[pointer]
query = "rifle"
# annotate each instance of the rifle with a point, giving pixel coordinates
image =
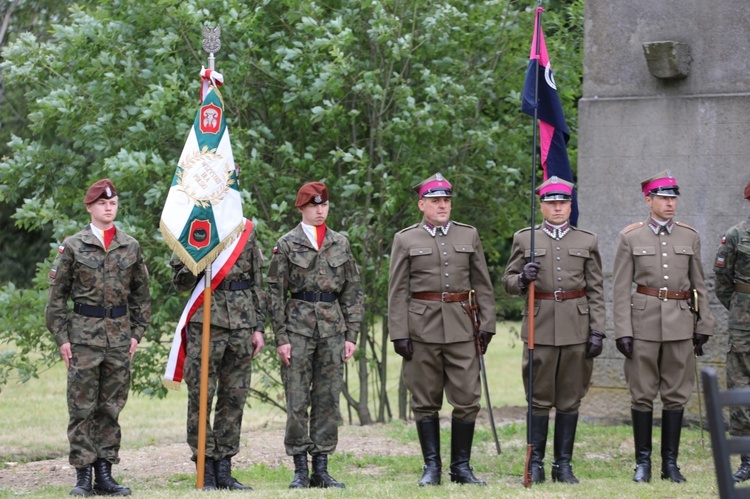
(473, 310)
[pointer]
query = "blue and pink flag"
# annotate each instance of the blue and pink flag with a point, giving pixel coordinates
(540, 95)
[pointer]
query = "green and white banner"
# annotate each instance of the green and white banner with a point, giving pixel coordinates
(203, 211)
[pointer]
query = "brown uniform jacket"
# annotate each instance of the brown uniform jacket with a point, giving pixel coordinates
(450, 263)
(665, 260)
(570, 264)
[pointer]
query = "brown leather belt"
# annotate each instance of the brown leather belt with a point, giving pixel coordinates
(664, 293)
(561, 295)
(443, 297)
(741, 287)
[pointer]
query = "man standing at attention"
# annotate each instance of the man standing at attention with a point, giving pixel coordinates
(238, 314)
(435, 266)
(317, 306)
(101, 270)
(654, 325)
(569, 320)
(732, 271)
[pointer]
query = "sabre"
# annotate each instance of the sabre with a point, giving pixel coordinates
(697, 378)
(475, 319)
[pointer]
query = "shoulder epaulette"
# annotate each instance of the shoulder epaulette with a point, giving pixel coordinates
(686, 226)
(583, 230)
(523, 230)
(632, 227)
(408, 228)
(462, 225)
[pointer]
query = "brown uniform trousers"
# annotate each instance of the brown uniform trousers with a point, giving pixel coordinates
(562, 373)
(662, 330)
(442, 334)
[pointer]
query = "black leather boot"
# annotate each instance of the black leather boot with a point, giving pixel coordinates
(743, 472)
(301, 478)
(83, 482)
(320, 477)
(104, 484)
(671, 427)
(224, 478)
(539, 428)
(209, 474)
(429, 439)
(565, 436)
(462, 436)
(642, 424)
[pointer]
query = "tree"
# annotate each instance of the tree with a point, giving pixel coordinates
(369, 97)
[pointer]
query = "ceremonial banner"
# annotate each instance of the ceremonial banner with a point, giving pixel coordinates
(540, 93)
(203, 211)
(219, 268)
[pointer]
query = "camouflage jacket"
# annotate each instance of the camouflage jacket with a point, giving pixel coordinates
(296, 267)
(239, 309)
(732, 267)
(86, 273)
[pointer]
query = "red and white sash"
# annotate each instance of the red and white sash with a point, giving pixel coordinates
(173, 374)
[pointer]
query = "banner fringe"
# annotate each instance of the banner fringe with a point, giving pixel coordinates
(185, 257)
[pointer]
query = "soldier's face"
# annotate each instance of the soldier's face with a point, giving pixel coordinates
(663, 208)
(556, 212)
(437, 211)
(314, 214)
(103, 212)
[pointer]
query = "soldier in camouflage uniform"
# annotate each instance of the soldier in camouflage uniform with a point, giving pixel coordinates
(732, 271)
(101, 270)
(434, 266)
(317, 305)
(238, 313)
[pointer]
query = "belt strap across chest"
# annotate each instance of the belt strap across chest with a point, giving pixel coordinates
(314, 296)
(561, 295)
(101, 312)
(663, 293)
(443, 297)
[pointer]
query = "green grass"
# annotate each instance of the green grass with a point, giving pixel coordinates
(33, 418)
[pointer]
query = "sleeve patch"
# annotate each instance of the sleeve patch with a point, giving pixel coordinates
(723, 239)
(53, 272)
(719, 262)
(275, 249)
(61, 249)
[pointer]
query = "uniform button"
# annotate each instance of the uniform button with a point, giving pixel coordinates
(558, 248)
(578, 253)
(442, 244)
(445, 252)
(559, 279)
(661, 233)
(558, 268)
(558, 258)
(683, 251)
(447, 274)
(421, 251)
(644, 252)
(666, 277)
(663, 254)
(666, 266)
(447, 285)
(663, 243)
(446, 264)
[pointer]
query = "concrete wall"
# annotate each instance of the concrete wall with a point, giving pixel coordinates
(632, 125)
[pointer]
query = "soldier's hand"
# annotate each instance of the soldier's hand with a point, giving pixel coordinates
(625, 346)
(258, 342)
(594, 345)
(404, 348)
(285, 353)
(530, 271)
(698, 341)
(349, 349)
(484, 338)
(66, 354)
(133, 347)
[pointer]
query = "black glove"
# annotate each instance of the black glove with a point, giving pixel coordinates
(594, 346)
(404, 348)
(530, 270)
(698, 341)
(484, 338)
(625, 346)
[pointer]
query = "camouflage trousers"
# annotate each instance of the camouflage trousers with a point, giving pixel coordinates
(228, 379)
(313, 380)
(738, 376)
(98, 386)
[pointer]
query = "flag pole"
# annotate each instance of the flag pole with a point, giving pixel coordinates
(530, 342)
(211, 44)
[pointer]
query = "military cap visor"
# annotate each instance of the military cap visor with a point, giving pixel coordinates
(661, 184)
(434, 187)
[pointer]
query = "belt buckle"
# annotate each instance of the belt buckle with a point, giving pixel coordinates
(107, 312)
(557, 294)
(664, 296)
(443, 295)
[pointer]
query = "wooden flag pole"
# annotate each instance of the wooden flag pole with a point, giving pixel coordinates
(211, 44)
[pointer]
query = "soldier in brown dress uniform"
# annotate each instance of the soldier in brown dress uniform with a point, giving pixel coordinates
(434, 266)
(569, 319)
(654, 324)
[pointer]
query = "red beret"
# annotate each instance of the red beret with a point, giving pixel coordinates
(103, 188)
(312, 192)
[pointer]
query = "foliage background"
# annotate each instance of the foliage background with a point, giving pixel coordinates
(367, 96)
